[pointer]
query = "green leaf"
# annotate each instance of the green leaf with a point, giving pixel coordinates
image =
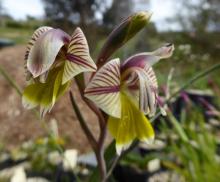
(178, 127)
(122, 34)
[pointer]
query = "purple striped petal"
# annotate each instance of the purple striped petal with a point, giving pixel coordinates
(78, 57)
(148, 58)
(140, 78)
(40, 31)
(164, 52)
(147, 91)
(104, 88)
(142, 85)
(44, 51)
(139, 60)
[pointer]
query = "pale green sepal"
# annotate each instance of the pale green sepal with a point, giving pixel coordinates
(45, 94)
(32, 95)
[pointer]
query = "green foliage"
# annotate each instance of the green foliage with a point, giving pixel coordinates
(137, 160)
(196, 160)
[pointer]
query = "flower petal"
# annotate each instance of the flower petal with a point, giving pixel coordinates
(140, 60)
(40, 31)
(44, 94)
(103, 89)
(78, 57)
(148, 58)
(44, 51)
(53, 90)
(133, 124)
(32, 95)
(142, 86)
(34, 38)
(147, 91)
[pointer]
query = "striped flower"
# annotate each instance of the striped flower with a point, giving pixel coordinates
(127, 92)
(52, 59)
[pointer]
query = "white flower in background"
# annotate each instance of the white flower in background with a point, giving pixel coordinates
(19, 175)
(70, 159)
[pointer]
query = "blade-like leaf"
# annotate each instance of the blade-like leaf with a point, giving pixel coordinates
(121, 34)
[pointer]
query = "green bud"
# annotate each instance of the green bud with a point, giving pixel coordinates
(123, 33)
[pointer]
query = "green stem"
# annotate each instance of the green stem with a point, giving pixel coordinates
(83, 124)
(177, 127)
(98, 147)
(118, 158)
(10, 80)
(100, 152)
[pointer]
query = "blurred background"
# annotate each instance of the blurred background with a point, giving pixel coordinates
(194, 28)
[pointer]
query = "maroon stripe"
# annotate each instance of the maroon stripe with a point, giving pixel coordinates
(102, 80)
(77, 42)
(109, 75)
(113, 72)
(72, 50)
(79, 52)
(77, 60)
(103, 90)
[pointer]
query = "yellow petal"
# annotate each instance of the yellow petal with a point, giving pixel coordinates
(45, 94)
(132, 124)
(32, 95)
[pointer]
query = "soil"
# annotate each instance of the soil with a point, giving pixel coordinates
(18, 124)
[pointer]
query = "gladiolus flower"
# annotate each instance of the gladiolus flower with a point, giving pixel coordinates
(127, 92)
(53, 58)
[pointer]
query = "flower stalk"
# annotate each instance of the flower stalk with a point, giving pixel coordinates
(98, 146)
(83, 124)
